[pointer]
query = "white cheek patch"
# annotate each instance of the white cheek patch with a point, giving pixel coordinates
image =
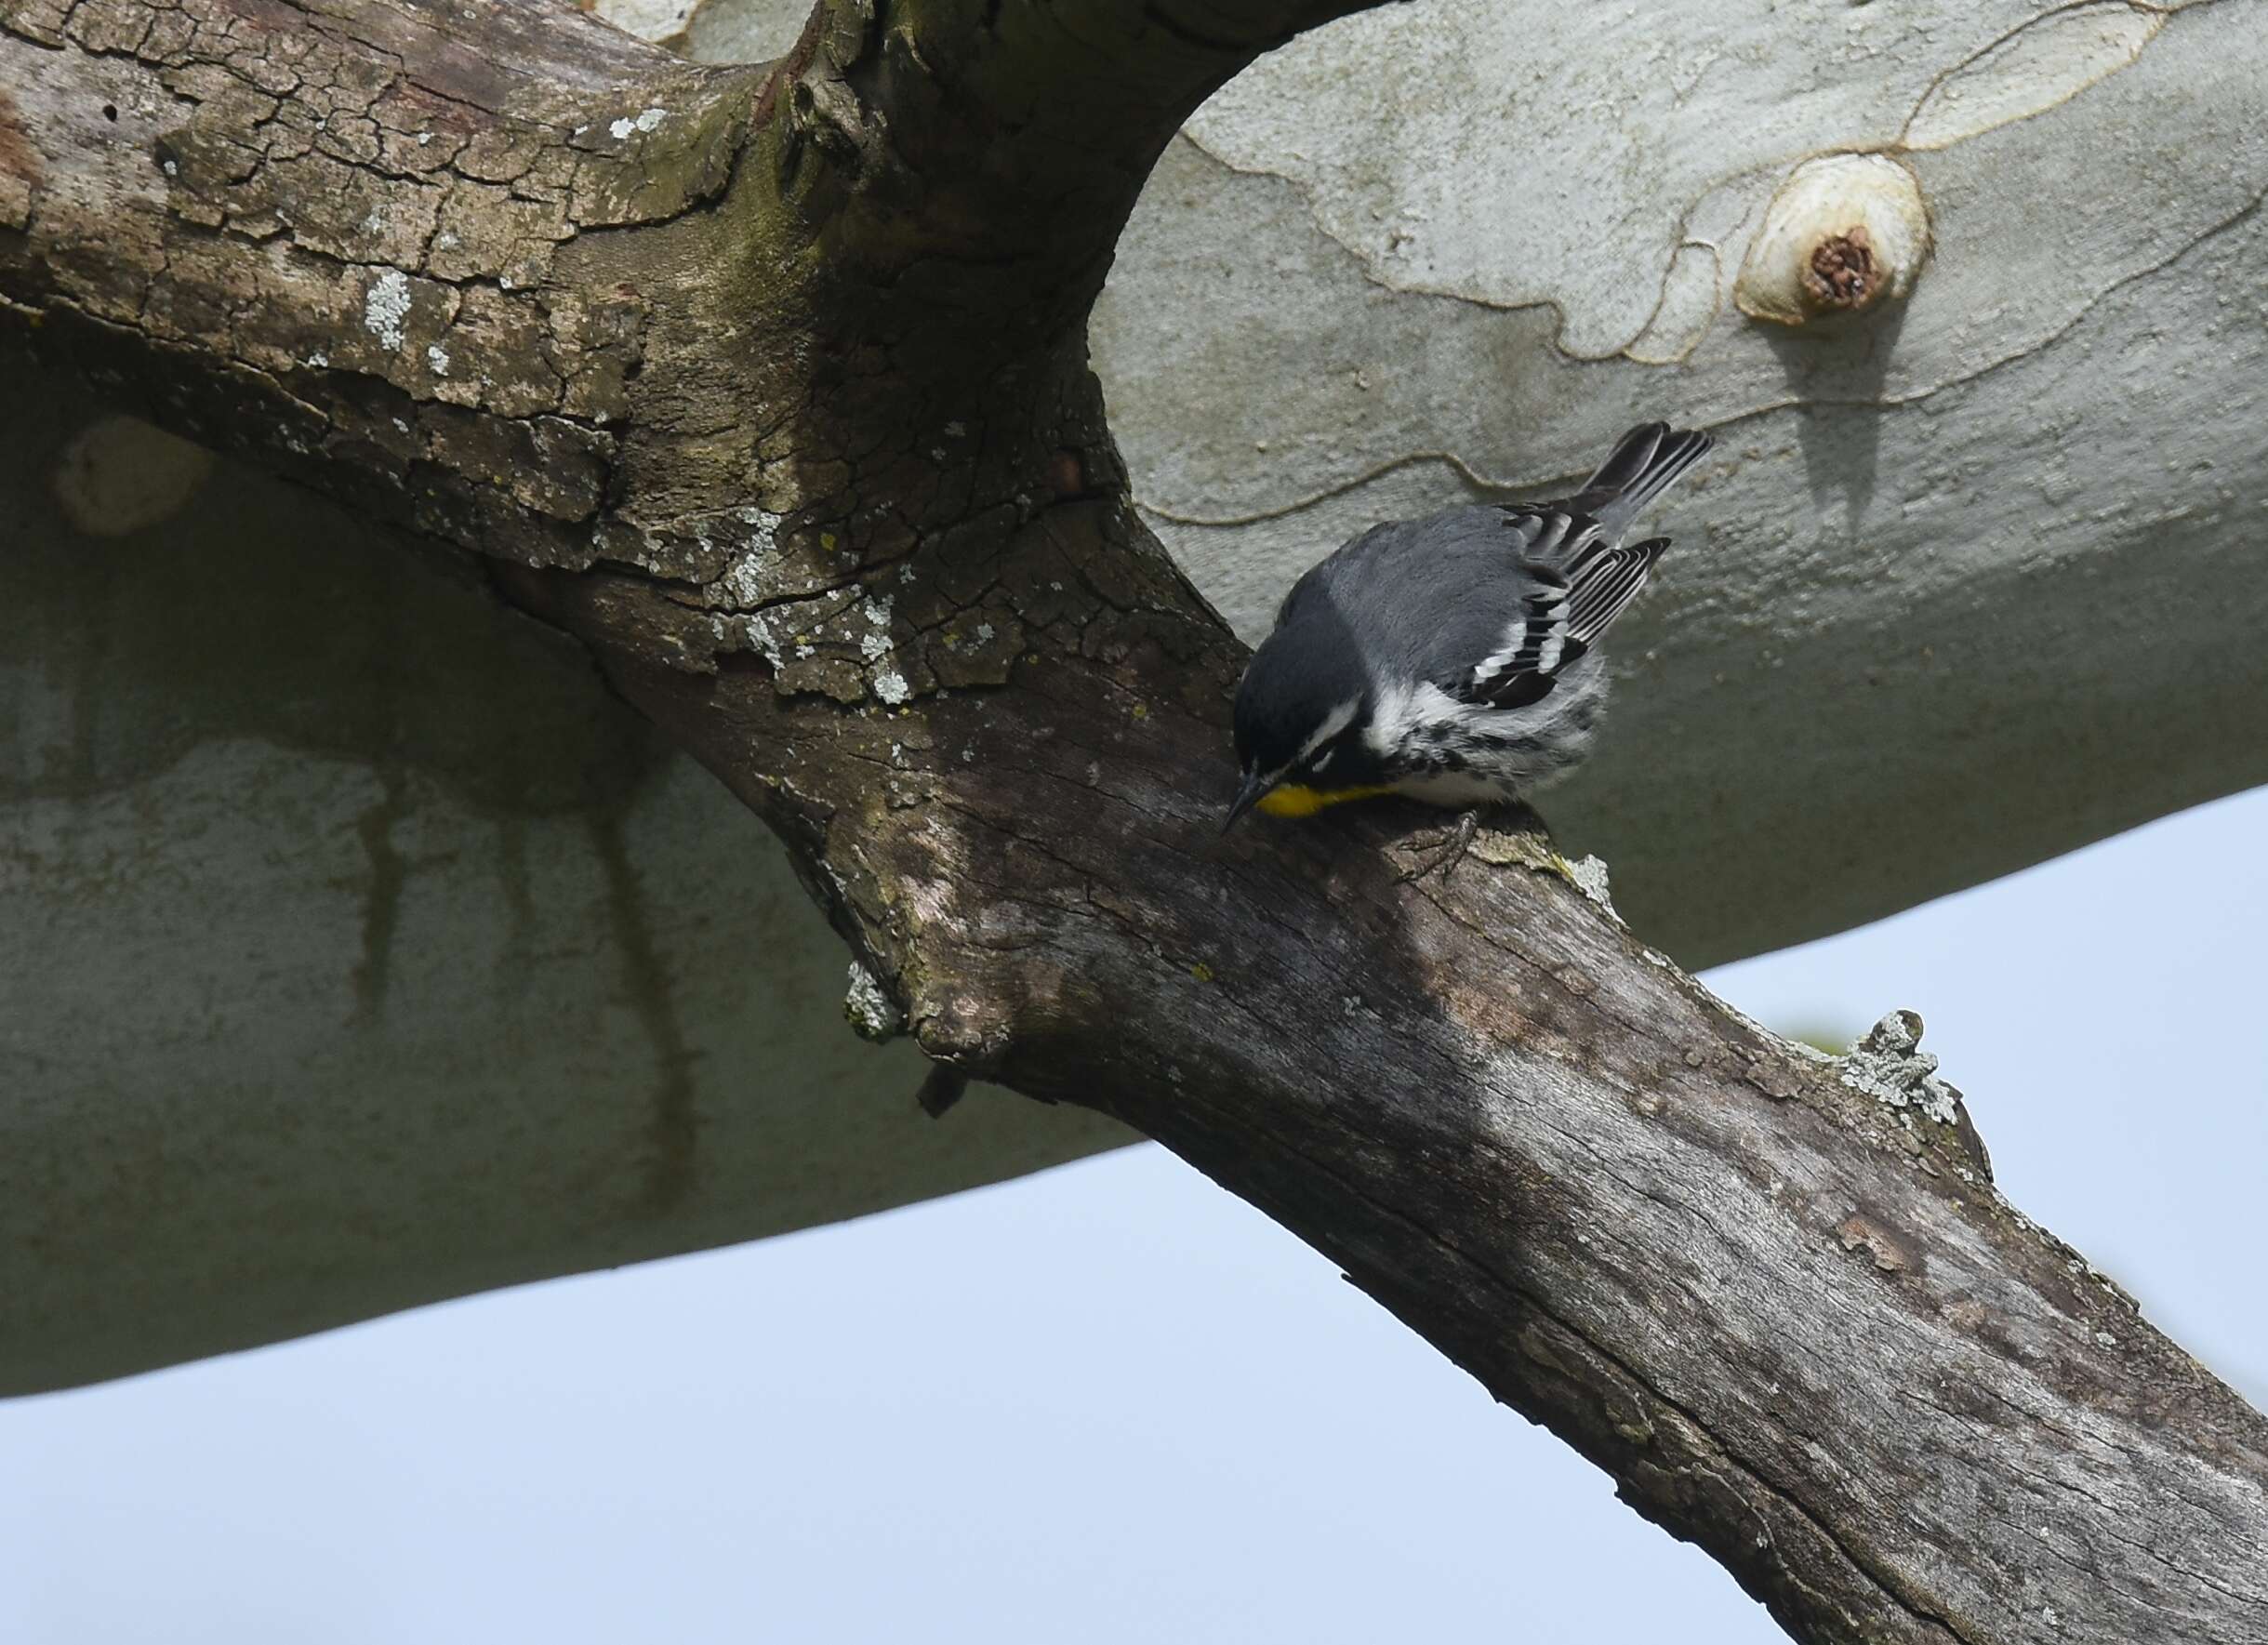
(1406, 711)
(1414, 720)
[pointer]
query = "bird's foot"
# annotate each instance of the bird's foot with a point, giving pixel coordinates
(1445, 860)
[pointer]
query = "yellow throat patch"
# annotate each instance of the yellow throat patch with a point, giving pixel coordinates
(1299, 800)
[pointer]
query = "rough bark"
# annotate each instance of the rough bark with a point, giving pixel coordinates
(464, 937)
(770, 385)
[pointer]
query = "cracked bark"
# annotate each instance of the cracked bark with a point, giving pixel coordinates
(770, 385)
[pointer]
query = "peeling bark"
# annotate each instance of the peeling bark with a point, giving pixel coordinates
(771, 386)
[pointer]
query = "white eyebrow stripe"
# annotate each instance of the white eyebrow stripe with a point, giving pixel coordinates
(1339, 720)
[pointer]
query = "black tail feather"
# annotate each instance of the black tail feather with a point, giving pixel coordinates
(1644, 463)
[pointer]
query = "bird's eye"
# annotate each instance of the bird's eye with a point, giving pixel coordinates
(1321, 760)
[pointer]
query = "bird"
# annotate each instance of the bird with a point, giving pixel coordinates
(1452, 658)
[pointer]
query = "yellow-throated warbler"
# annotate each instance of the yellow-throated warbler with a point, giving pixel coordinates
(1452, 658)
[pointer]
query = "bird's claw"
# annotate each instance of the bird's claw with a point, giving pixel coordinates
(1446, 859)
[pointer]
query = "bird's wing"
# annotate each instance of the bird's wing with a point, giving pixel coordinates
(1492, 603)
(1605, 584)
(1576, 574)
(1571, 587)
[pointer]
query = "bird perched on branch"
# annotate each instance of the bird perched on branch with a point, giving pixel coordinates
(1452, 658)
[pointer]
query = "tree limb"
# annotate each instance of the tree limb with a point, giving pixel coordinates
(770, 385)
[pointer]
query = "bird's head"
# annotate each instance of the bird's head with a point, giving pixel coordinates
(1301, 712)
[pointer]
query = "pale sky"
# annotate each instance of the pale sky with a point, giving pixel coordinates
(1108, 1403)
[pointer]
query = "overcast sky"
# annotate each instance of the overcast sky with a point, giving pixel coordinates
(1108, 1403)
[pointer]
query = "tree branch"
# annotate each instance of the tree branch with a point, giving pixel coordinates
(1789, 1313)
(771, 386)
(372, 245)
(980, 159)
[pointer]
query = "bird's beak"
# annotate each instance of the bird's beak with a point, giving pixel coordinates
(1257, 784)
